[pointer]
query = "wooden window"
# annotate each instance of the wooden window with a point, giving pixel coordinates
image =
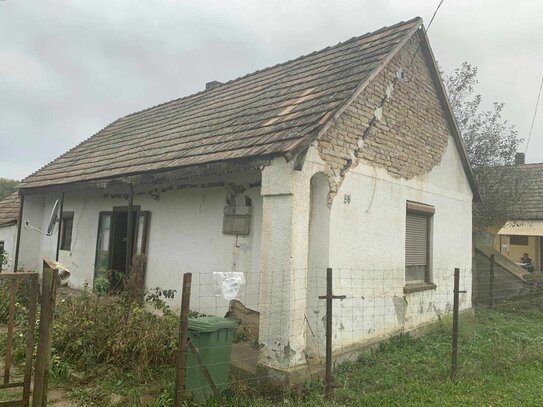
(418, 243)
(518, 240)
(66, 229)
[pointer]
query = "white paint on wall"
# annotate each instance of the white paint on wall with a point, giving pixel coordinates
(8, 235)
(185, 235)
(366, 240)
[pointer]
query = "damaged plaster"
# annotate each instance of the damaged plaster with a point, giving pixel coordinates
(396, 123)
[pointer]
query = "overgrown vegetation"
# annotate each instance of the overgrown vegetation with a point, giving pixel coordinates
(121, 355)
(90, 331)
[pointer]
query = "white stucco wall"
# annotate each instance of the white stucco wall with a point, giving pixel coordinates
(8, 235)
(185, 235)
(367, 249)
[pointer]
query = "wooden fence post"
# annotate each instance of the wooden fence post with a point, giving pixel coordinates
(43, 356)
(183, 339)
(30, 339)
(11, 323)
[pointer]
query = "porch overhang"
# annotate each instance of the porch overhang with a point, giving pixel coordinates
(523, 228)
(180, 175)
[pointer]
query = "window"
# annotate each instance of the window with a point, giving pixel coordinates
(518, 240)
(418, 243)
(66, 228)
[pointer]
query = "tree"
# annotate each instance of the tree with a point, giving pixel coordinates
(7, 187)
(491, 144)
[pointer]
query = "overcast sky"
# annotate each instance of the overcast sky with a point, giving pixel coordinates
(69, 68)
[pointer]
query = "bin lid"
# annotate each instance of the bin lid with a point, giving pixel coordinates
(210, 324)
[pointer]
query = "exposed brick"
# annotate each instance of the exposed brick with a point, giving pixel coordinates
(411, 137)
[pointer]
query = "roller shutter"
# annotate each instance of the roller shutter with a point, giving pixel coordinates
(416, 240)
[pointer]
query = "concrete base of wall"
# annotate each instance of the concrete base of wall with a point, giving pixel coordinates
(314, 368)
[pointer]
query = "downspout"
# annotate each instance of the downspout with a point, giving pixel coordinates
(19, 227)
(60, 224)
(129, 228)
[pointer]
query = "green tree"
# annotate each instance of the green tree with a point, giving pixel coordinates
(7, 187)
(491, 143)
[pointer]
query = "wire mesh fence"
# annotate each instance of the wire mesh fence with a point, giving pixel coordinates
(282, 336)
(286, 323)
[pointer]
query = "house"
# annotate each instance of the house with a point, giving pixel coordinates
(348, 158)
(9, 214)
(524, 234)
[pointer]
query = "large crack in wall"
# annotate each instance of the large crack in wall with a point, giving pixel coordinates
(397, 123)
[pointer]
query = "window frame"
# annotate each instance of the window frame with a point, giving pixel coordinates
(421, 209)
(519, 240)
(66, 244)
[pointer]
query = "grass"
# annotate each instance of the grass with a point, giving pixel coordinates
(500, 364)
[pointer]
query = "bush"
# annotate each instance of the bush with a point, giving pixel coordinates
(90, 331)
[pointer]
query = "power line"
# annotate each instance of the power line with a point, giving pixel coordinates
(434, 15)
(535, 114)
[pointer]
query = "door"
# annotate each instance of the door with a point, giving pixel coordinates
(111, 243)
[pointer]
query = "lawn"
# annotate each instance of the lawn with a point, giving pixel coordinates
(500, 364)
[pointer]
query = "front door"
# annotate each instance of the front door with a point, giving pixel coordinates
(112, 240)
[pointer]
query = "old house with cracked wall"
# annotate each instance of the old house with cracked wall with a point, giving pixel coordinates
(348, 157)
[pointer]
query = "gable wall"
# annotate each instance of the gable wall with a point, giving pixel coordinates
(394, 124)
(410, 154)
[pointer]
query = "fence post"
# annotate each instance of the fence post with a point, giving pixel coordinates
(329, 297)
(31, 320)
(11, 323)
(183, 339)
(492, 281)
(43, 356)
(456, 292)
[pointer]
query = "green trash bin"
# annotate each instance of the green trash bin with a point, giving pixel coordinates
(213, 337)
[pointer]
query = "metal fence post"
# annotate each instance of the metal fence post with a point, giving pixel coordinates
(183, 339)
(492, 281)
(329, 297)
(454, 355)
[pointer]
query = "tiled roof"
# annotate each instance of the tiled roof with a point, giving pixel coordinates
(267, 113)
(529, 204)
(9, 209)
(525, 182)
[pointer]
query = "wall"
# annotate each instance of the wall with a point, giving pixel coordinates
(367, 250)
(8, 235)
(185, 236)
(407, 153)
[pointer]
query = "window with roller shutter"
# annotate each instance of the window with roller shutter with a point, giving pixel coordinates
(417, 243)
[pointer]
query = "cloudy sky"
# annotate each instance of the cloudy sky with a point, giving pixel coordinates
(68, 68)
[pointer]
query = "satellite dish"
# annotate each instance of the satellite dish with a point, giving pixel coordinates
(52, 219)
(51, 224)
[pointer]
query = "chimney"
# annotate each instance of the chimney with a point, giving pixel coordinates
(213, 85)
(520, 158)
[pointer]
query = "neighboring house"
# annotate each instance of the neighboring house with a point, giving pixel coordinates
(348, 158)
(9, 213)
(525, 233)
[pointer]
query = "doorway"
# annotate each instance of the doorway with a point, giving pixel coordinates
(112, 244)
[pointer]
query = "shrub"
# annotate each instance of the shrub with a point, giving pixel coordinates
(90, 330)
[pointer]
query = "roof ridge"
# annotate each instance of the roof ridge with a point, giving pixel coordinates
(385, 40)
(301, 57)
